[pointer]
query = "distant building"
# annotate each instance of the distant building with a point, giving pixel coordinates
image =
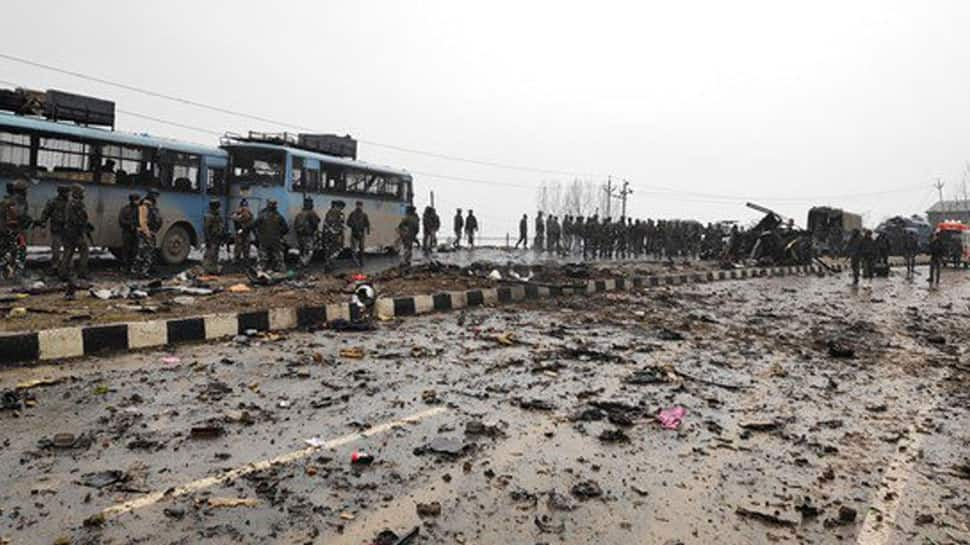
(958, 210)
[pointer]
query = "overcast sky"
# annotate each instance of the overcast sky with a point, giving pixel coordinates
(701, 105)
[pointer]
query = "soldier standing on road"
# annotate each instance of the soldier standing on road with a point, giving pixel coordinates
(149, 222)
(270, 229)
(854, 249)
(868, 254)
(242, 220)
(18, 220)
(359, 225)
(537, 245)
(554, 236)
(910, 248)
(307, 226)
(471, 227)
(430, 223)
(55, 211)
(458, 224)
(407, 231)
(937, 256)
(523, 233)
(77, 228)
(333, 229)
(128, 222)
(215, 234)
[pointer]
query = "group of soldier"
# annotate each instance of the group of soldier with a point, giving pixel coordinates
(604, 238)
(66, 217)
(313, 234)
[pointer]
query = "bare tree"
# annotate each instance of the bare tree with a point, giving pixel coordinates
(577, 198)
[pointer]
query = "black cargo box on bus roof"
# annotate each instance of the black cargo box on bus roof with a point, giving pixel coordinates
(330, 144)
(61, 106)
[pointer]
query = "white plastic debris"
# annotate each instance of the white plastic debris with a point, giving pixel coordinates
(494, 275)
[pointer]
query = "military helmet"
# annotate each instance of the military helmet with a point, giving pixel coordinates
(339, 204)
(63, 189)
(77, 189)
(134, 197)
(271, 203)
(243, 202)
(308, 204)
(20, 185)
(411, 210)
(214, 203)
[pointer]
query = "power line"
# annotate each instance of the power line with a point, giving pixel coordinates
(656, 190)
(262, 119)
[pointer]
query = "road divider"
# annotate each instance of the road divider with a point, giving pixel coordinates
(48, 345)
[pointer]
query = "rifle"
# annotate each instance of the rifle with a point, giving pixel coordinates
(88, 229)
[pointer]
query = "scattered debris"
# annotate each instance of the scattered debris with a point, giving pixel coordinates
(217, 502)
(432, 509)
(587, 490)
(671, 418)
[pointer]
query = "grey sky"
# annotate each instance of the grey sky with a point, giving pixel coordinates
(777, 101)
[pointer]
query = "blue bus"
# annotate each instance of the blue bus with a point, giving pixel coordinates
(274, 166)
(110, 165)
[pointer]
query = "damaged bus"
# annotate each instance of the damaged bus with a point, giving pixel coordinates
(288, 168)
(48, 139)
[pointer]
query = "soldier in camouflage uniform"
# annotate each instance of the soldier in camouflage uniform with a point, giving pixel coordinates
(333, 229)
(215, 234)
(55, 212)
(77, 229)
(270, 228)
(242, 220)
(149, 222)
(307, 224)
(16, 220)
(407, 230)
(359, 225)
(128, 222)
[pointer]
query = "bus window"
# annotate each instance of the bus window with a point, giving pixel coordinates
(65, 160)
(392, 187)
(14, 153)
(216, 184)
(125, 165)
(296, 174)
(257, 166)
(356, 181)
(313, 184)
(334, 176)
(179, 171)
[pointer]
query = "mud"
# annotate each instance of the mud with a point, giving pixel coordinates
(534, 423)
(453, 271)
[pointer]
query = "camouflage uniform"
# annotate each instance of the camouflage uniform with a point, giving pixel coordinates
(77, 228)
(242, 220)
(16, 220)
(215, 233)
(128, 222)
(55, 211)
(149, 222)
(359, 225)
(307, 224)
(408, 232)
(333, 229)
(270, 229)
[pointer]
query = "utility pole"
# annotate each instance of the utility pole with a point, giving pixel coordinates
(432, 198)
(939, 188)
(623, 193)
(609, 194)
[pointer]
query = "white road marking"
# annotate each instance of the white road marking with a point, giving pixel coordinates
(894, 482)
(241, 471)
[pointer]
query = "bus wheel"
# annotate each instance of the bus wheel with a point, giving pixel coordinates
(176, 245)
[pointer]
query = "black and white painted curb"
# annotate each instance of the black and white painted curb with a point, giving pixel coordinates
(72, 342)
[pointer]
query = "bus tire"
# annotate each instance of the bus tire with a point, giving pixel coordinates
(176, 245)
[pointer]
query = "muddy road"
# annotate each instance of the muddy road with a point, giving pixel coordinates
(794, 410)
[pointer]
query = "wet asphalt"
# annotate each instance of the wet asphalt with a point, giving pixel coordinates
(530, 423)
